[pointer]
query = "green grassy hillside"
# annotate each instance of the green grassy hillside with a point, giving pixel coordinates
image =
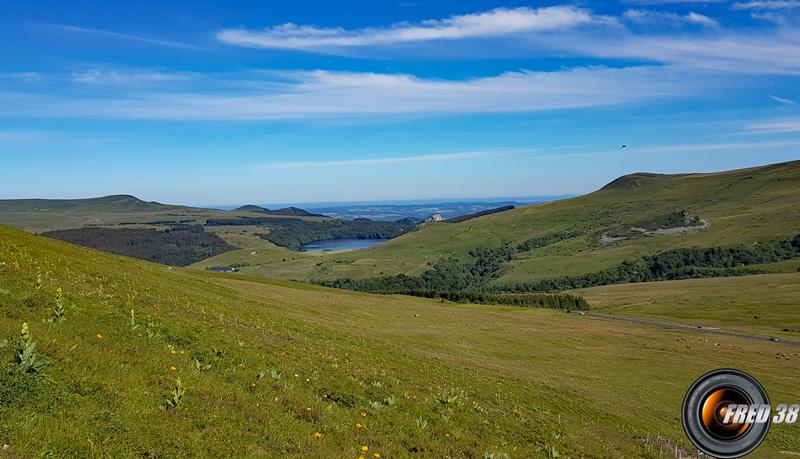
(275, 369)
(764, 304)
(740, 207)
(112, 204)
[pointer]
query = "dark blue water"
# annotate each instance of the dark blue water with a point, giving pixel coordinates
(341, 244)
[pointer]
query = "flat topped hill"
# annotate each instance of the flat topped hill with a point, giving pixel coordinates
(735, 207)
(113, 204)
(289, 211)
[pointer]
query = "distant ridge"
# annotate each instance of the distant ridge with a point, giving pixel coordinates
(250, 208)
(296, 211)
(639, 179)
(479, 214)
(292, 211)
(113, 203)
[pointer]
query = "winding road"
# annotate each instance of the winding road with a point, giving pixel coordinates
(686, 327)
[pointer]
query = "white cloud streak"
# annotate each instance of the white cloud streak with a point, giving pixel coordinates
(499, 22)
(640, 16)
(782, 100)
(776, 53)
(124, 78)
(767, 5)
(537, 153)
(119, 35)
(560, 31)
(460, 156)
(776, 126)
(697, 18)
(670, 2)
(334, 94)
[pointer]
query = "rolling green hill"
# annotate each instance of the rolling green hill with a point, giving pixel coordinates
(110, 204)
(722, 209)
(275, 369)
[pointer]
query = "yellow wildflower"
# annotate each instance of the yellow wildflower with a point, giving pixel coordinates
(308, 409)
(365, 448)
(363, 414)
(358, 425)
(99, 336)
(376, 455)
(172, 369)
(59, 292)
(317, 434)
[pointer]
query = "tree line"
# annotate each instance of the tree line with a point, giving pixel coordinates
(179, 245)
(672, 265)
(458, 280)
(455, 277)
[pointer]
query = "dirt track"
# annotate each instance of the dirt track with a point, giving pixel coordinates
(686, 327)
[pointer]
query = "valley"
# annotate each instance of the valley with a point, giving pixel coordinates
(451, 379)
(279, 367)
(400, 229)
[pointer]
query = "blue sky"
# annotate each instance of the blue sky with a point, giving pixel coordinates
(202, 102)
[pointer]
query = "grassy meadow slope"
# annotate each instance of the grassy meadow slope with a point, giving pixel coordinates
(767, 304)
(742, 206)
(404, 377)
(111, 204)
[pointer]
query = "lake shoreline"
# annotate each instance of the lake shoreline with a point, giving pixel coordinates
(340, 245)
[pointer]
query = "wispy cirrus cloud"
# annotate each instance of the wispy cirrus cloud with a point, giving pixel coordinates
(26, 77)
(21, 136)
(642, 34)
(775, 126)
(670, 2)
(328, 94)
(498, 22)
(45, 136)
(119, 35)
(767, 5)
(642, 16)
(781, 100)
(458, 156)
(538, 153)
(776, 53)
(117, 77)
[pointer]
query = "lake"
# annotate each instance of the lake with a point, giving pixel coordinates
(329, 245)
